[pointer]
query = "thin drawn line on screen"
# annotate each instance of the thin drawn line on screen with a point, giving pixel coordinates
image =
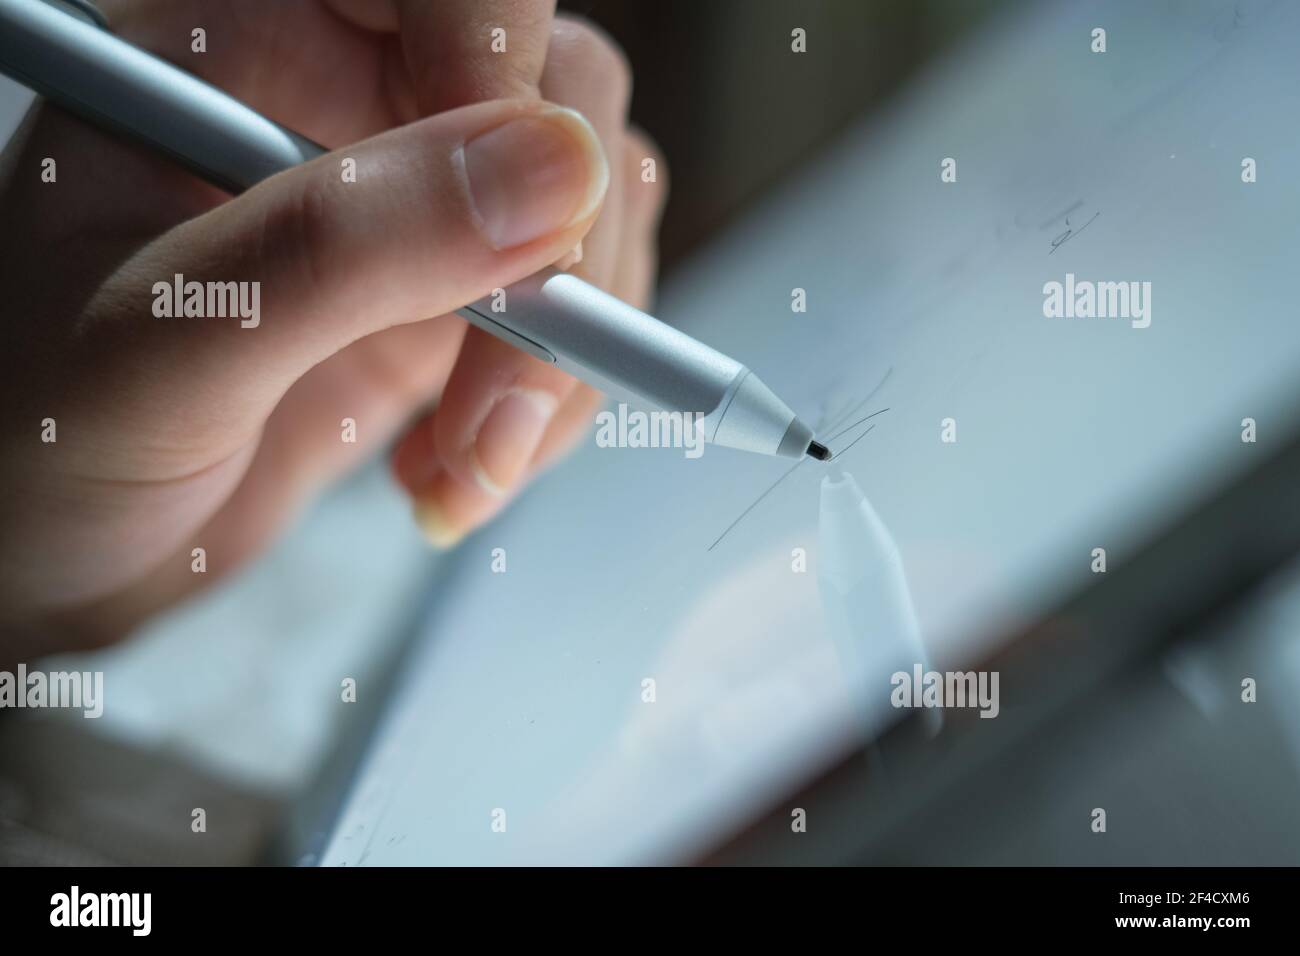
(792, 469)
(858, 406)
(855, 441)
(845, 431)
(1070, 232)
(797, 465)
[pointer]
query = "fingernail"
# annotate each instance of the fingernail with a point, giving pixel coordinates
(535, 175)
(508, 437)
(434, 525)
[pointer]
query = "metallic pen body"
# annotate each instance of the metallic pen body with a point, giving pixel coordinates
(602, 340)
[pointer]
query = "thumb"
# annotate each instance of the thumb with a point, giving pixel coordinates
(437, 214)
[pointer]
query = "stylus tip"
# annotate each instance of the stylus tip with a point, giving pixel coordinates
(819, 451)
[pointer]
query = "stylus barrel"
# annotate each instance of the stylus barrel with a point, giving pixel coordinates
(602, 340)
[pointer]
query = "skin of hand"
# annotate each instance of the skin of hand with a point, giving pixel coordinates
(177, 433)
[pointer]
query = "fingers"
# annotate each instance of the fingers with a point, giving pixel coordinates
(377, 15)
(499, 403)
(587, 71)
(343, 86)
(341, 54)
(645, 190)
(441, 212)
(645, 179)
(467, 51)
(447, 507)
(567, 428)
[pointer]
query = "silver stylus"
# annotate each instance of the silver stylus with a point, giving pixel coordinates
(60, 49)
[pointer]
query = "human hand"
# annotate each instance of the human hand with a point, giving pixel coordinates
(184, 432)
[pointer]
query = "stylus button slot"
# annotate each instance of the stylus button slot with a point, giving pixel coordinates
(508, 335)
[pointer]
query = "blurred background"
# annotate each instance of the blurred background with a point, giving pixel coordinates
(716, 86)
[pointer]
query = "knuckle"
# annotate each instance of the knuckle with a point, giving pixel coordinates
(304, 225)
